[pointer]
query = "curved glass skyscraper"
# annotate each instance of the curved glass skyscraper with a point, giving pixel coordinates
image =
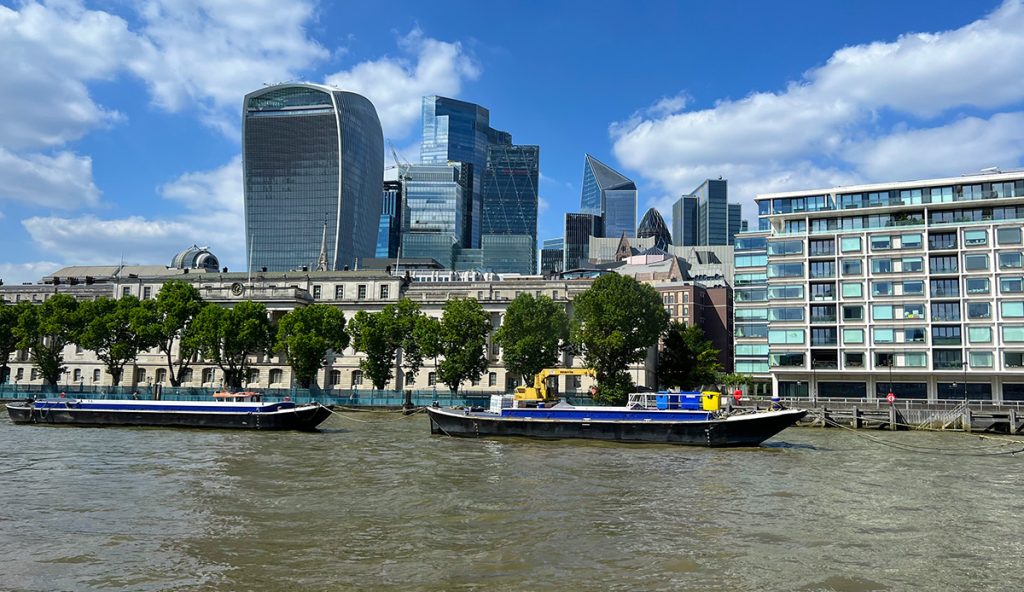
(609, 194)
(313, 155)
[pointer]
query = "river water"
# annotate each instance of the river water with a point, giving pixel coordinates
(374, 502)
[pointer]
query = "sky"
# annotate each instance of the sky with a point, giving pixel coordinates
(120, 139)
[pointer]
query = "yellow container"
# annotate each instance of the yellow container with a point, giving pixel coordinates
(711, 401)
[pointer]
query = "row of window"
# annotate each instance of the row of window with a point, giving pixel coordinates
(941, 360)
(361, 291)
(937, 264)
(902, 390)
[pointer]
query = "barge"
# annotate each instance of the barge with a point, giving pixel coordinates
(228, 410)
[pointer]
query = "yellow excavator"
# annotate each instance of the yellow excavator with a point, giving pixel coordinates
(538, 393)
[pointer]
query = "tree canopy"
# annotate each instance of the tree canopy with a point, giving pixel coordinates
(306, 334)
(374, 334)
(532, 335)
(614, 323)
(8, 338)
(45, 329)
(168, 319)
(462, 341)
(687, 359)
(108, 329)
(228, 336)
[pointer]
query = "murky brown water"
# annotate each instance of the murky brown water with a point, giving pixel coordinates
(380, 504)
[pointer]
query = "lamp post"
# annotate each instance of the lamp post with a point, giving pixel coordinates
(964, 364)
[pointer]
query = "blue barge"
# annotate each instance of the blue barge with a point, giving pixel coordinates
(692, 419)
(232, 410)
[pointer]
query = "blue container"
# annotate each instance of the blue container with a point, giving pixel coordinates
(668, 400)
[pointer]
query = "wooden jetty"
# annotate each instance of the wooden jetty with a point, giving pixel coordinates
(965, 416)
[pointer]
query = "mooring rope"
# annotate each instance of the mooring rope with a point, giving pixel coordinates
(407, 413)
(936, 450)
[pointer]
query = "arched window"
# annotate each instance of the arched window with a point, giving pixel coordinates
(357, 378)
(140, 375)
(188, 376)
(276, 376)
(254, 375)
(96, 375)
(208, 375)
(77, 376)
(161, 376)
(335, 377)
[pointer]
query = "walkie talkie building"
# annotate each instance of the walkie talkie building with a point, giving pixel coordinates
(313, 155)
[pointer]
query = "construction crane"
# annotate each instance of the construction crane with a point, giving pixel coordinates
(400, 163)
(539, 391)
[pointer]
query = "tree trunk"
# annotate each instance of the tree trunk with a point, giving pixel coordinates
(174, 376)
(115, 375)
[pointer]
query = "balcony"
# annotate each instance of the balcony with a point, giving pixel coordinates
(822, 319)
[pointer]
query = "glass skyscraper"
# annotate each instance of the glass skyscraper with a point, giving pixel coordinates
(705, 217)
(510, 198)
(390, 224)
(552, 256)
(312, 155)
(457, 131)
(578, 230)
(433, 210)
(610, 195)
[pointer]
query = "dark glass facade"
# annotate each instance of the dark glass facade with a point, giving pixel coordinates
(510, 197)
(578, 230)
(390, 225)
(312, 155)
(610, 195)
(652, 225)
(552, 256)
(705, 217)
(457, 131)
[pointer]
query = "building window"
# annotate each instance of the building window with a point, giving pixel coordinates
(1011, 260)
(431, 378)
(851, 267)
(980, 359)
(126, 291)
(913, 288)
(316, 292)
(357, 378)
(34, 374)
(854, 359)
(77, 375)
(276, 376)
(946, 335)
(254, 376)
(851, 336)
(984, 334)
(976, 262)
(339, 292)
(979, 310)
(850, 244)
(492, 379)
(361, 292)
(96, 375)
(140, 375)
(384, 290)
(187, 379)
(853, 313)
(161, 376)
(147, 293)
(208, 375)
(335, 377)
(946, 311)
(783, 336)
(1008, 236)
(947, 288)
(975, 237)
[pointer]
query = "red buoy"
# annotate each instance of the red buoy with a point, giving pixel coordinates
(891, 398)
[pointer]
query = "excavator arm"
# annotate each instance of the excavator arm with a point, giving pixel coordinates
(539, 391)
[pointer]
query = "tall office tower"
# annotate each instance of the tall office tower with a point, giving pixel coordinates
(652, 225)
(578, 230)
(432, 214)
(705, 217)
(457, 131)
(390, 225)
(610, 195)
(510, 199)
(913, 288)
(551, 256)
(312, 155)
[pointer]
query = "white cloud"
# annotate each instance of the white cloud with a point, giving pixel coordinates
(825, 129)
(209, 53)
(18, 273)
(396, 85)
(60, 181)
(50, 53)
(212, 217)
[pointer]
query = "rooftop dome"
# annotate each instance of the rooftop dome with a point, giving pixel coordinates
(196, 257)
(653, 225)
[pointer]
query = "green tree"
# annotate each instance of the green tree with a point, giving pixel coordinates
(427, 335)
(168, 320)
(45, 329)
(8, 338)
(462, 341)
(687, 359)
(306, 334)
(532, 335)
(614, 322)
(374, 334)
(228, 336)
(382, 335)
(108, 330)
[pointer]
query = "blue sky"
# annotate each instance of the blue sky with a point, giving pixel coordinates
(121, 139)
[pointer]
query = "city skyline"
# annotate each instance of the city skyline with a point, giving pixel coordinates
(141, 155)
